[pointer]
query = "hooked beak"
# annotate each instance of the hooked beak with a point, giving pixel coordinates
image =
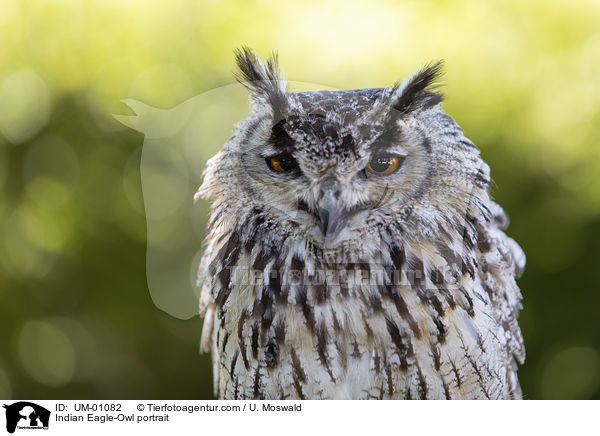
(331, 214)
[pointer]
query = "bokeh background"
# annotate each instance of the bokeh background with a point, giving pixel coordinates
(76, 318)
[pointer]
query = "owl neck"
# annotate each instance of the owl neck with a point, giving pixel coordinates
(271, 258)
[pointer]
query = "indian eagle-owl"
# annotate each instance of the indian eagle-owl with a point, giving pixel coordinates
(353, 251)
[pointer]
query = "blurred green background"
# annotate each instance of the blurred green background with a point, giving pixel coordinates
(76, 318)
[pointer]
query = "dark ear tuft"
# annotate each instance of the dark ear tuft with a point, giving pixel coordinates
(419, 91)
(262, 78)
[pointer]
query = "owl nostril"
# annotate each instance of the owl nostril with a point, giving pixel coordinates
(329, 187)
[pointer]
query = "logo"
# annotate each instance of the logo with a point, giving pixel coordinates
(26, 415)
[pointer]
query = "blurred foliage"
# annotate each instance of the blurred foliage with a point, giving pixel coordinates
(76, 318)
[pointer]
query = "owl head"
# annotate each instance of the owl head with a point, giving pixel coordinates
(337, 166)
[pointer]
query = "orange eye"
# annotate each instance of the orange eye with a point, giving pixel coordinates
(282, 163)
(384, 163)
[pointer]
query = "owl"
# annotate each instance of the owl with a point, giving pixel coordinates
(353, 250)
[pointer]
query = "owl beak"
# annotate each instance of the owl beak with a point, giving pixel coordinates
(332, 216)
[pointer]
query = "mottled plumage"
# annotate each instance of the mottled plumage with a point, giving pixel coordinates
(333, 279)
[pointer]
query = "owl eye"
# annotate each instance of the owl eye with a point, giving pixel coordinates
(384, 163)
(282, 163)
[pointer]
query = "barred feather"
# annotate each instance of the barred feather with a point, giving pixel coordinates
(417, 299)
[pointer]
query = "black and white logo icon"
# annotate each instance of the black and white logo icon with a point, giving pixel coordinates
(26, 415)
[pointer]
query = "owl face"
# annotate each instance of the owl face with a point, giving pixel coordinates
(325, 173)
(328, 166)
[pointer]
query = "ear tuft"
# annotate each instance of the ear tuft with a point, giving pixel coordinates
(263, 79)
(418, 92)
